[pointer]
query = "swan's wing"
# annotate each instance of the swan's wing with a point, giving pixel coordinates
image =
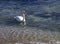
(19, 18)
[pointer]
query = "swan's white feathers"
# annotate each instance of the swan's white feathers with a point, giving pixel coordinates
(19, 18)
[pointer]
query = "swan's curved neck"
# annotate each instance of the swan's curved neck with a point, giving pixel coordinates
(24, 19)
(23, 16)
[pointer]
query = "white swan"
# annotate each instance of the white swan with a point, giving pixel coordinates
(21, 18)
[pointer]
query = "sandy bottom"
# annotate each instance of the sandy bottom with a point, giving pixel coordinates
(23, 35)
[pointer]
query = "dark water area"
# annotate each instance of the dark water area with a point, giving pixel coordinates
(40, 15)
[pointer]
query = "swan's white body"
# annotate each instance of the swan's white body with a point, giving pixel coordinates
(21, 18)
